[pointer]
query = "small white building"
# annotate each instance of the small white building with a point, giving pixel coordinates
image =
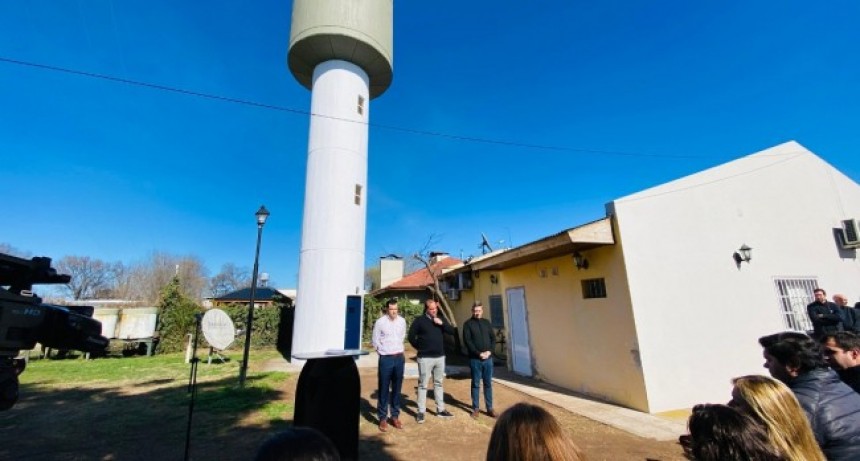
(698, 313)
(652, 307)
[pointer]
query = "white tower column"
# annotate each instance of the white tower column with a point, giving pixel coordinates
(335, 211)
(341, 50)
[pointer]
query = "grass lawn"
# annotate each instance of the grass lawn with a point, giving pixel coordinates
(137, 408)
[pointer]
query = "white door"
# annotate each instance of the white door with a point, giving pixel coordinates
(520, 353)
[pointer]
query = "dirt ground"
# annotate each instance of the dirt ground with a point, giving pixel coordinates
(107, 423)
(463, 438)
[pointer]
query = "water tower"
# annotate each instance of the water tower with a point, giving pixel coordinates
(341, 50)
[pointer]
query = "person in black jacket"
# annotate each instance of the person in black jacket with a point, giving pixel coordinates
(850, 321)
(842, 353)
(833, 408)
(480, 342)
(825, 316)
(426, 336)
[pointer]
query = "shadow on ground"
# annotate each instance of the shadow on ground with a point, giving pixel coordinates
(126, 424)
(148, 421)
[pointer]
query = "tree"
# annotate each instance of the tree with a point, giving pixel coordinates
(423, 256)
(146, 280)
(372, 278)
(175, 317)
(90, 277)
(231, 278)
(12, 251)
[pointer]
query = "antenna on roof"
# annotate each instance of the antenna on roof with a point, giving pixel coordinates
(485, 244)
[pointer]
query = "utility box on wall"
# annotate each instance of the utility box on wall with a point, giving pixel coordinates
(352, 330)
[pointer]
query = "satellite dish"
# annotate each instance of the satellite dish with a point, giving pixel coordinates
(485, 244)
(218, 329)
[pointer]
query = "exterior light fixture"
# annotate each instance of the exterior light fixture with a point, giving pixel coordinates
(744, 254)
(262, 214)
(579, 261)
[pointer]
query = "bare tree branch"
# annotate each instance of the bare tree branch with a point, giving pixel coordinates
(91, 278)
(435, 289)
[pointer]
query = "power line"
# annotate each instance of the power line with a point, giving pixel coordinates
(415, 131)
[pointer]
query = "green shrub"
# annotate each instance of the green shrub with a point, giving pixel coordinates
(373, 310)
(264, 330)
(175, 318)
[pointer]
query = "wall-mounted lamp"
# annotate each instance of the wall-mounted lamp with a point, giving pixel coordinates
(494, 279)
(744, 254)
(579, 261)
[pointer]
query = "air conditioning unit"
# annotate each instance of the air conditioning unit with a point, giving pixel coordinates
(453, 294)
(850, 234)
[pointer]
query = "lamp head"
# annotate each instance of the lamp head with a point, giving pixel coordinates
(745, 252)
(262, 214)
(579, 261)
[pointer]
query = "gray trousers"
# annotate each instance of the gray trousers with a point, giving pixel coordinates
(426, 366)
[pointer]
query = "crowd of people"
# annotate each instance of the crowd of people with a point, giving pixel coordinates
(808, 409)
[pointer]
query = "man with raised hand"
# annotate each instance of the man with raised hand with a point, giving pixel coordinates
(426, 334)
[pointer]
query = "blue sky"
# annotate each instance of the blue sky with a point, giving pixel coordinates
(114, 171)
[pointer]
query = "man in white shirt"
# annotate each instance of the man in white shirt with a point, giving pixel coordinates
(389, 331)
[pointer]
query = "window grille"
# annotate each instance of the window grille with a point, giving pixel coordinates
(794, 295)
(593, 288)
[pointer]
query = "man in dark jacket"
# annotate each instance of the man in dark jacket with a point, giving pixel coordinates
(426, 336)
(825, 316)
(480, 342)
(842, 353)
(833, 408)
(850, 321)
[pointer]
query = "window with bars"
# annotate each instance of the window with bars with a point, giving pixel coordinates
(794, 294)
(593, 288)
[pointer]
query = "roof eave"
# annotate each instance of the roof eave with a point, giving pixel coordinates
(585, 237)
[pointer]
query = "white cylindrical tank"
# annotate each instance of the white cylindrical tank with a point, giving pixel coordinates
(331, 264)
(342, 51)
(358, 31)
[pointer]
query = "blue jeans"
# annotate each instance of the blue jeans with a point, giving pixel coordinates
(482, 370)
(431, 366)
(390, 383)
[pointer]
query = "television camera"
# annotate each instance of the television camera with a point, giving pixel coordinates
(25, 320)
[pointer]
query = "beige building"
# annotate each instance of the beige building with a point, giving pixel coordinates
(655, 306)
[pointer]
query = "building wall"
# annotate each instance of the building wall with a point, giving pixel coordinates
(482, 289)
(698, 315)
(586, 345)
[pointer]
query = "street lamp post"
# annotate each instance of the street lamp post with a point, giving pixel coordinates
(261, 214)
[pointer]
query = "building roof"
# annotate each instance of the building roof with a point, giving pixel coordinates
(585, 237)
(262, 294)
(421, 278)
(734, 170)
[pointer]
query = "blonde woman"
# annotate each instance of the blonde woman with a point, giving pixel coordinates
(527, 432)
(776, 407)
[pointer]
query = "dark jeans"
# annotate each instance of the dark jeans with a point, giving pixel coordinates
(390, 383)
(482, 370)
